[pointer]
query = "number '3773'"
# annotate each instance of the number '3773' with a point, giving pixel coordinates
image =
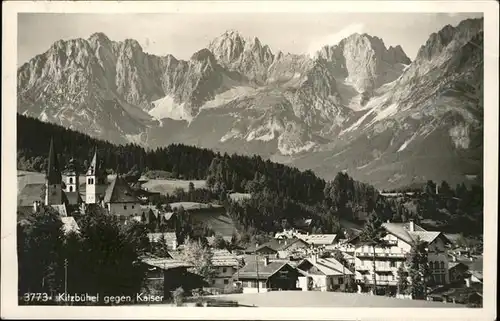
(31, 297)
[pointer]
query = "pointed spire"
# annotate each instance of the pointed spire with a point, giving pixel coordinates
(93, 165)
(53, 171)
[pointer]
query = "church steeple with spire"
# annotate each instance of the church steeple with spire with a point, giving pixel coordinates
(96, 181)
(53, 178)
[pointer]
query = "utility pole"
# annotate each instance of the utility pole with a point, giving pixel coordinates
(257, 263)
(65, 278)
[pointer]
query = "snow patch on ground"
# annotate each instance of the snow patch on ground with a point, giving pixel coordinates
(265, 133)
(136, 139)
(43, 116)
(166, 107)
(290, 150)
(232, 134)
(229, 95)
(406, 143)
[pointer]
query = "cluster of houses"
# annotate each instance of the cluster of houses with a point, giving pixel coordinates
(303, 262)
(293, 260)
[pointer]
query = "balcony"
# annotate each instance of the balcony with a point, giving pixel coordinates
(382, 254)
(380, 282)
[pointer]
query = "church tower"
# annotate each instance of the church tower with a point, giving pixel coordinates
(53, 179)
(72, 177)
(96, 181)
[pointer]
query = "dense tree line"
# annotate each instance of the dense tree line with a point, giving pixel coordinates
(280, 195)
(102, 258)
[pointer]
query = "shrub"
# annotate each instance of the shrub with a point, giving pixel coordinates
(178, 296)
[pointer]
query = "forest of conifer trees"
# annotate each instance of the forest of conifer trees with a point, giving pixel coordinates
(279, 194)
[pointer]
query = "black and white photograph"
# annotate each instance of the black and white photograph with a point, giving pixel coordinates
(175, 159)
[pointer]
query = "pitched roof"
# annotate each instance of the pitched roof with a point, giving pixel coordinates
(169, 215)
(95, 167)
(119, 192)
(224, 258)
(74, 198)
(265, 271)
(318, 239)
(29, 194)
(402, 231)
(211, 239)
(53, 175)
(452, 265)
(165, 263)
(70, 225)
(425, 236)
(281, 245)
(61, 209)
(329, 266)
(170, 237)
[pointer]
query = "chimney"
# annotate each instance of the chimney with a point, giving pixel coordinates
(467, 282)
(35, 207)
(266, 260)
(412, 226)
(388, 221)
(437, 189)
(453, 258)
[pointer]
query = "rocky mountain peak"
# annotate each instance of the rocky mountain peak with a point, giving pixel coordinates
(99, 37)
(397, 55)
(449, 35)
(364, 61)
(247, 56)
(204, 55)
(227, 47)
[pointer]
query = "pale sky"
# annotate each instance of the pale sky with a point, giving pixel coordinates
(182, 34)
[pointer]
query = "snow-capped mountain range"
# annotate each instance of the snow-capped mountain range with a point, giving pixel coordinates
(356, 106)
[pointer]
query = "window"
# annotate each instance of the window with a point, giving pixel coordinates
(132, 206)
(71, 180)
(226, 281)
(224, 270)
(431, 265)
(124, 207)
(341, 281)
(393, 264)
(442, 265)
(71, 188)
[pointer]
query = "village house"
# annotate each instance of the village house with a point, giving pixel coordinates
(211, 240)
(399, 239)
(170, 239)
(164, 275)
(226, 265)
(319, 240)
(262, 250)
(119, 199)
(458, 272)
(263, 275)
(323, 274)
(280, 248)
